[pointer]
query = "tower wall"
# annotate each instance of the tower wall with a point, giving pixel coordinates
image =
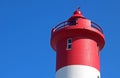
(77, 43)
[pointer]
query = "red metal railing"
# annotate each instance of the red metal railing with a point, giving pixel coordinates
(66, 24)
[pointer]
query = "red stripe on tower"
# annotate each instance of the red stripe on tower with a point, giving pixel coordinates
(77, 43)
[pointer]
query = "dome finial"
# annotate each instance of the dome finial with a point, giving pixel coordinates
(78, 11)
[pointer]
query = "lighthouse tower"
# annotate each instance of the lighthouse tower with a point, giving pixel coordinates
(77, 43)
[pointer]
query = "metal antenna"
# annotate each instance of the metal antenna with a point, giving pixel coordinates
(78, 8)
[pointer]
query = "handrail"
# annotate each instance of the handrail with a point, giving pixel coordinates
(66, 24)
(96, 26)
(61, 25)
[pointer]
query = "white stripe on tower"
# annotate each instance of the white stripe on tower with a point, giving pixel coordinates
(77, 71)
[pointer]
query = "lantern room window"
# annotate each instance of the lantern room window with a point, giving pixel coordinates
(69, 43)
(73, 22)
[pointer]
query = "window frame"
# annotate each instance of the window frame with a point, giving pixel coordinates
(69, 44)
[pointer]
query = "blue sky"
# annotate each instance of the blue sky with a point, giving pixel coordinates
(25, 30)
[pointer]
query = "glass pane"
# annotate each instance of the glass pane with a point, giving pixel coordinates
(70, 40)
(69, 46)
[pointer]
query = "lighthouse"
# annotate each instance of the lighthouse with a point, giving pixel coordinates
(77, 43)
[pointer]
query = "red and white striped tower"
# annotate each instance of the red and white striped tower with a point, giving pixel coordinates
(77, 43)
